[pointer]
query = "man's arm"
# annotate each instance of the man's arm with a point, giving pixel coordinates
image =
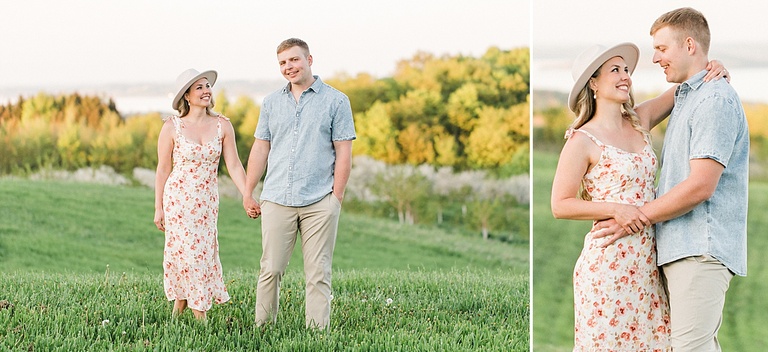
(342, 168)
(694, 190)
(257, 163)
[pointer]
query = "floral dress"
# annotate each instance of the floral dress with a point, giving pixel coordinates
(191, 265)
(619, 301)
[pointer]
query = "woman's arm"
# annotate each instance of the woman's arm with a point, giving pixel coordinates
(164, 166)
(578, 154)
(653, 111)
(229, 152)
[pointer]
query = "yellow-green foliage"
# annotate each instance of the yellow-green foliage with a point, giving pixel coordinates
(550, 123)
(457, 111)
(73, 131)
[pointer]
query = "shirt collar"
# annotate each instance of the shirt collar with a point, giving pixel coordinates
(696, 80)
(315, 87)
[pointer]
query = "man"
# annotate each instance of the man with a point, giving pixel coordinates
(304, 140)
(701, 209)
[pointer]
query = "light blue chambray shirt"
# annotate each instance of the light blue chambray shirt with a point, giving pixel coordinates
(301, 157)
(707, 121)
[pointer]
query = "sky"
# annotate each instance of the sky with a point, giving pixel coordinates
(79, 42)
(561, 30)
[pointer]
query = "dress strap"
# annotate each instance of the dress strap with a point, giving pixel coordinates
(218, 126)
(593, 138)
(176, 125)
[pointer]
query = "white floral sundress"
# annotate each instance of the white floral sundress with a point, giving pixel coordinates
(191, 266)
(619, 301)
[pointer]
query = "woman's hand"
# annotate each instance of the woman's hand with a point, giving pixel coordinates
(630, 218)
(252, 207)
(160, 219)
(716, 70)
(608, 228)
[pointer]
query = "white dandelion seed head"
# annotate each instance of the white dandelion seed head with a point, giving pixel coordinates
(389, 301)
(104, 322)
(331, 297)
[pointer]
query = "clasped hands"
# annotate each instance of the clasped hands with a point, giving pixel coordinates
(252, 207)
(627, 219)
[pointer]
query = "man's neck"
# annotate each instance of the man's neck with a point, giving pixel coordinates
(697, 66)
(298, 88)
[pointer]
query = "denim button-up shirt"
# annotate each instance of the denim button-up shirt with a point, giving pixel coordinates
(707, 121)
(301, 134)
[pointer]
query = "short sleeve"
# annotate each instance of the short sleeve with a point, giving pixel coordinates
(262, 127)
(715, 125)
(343, 128)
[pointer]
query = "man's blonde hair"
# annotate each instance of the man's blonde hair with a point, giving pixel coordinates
(290, 43)
(686, 22)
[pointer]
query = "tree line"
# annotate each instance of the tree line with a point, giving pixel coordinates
(459, 116)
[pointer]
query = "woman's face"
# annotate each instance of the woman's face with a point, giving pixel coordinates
(199, 93)
(613, 82)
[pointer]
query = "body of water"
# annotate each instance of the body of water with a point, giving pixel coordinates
(136, 104)
(749, 82)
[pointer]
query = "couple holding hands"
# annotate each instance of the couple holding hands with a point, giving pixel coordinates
(304, 136)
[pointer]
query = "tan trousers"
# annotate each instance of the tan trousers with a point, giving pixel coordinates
(317, 223)
(696, 288)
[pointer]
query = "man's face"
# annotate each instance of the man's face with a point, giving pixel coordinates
(671, 54)
(295, 65)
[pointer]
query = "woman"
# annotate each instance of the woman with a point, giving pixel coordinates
(186, 194)
(606, 170)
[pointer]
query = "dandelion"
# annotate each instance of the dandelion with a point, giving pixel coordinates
(104, 322)
(124, 333)
(389, 301)
(331, 297)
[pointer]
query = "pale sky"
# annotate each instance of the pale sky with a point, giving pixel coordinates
(562, 29)
(80, 42)
(559, 22)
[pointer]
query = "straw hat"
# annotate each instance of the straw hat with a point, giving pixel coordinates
(591, 59)
(186, 79)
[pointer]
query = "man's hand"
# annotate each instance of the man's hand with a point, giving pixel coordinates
(252, 207)
(630, 218)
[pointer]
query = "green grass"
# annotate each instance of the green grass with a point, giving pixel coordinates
(57, 226)
(485, 311)
(557, 244)
(74, 255)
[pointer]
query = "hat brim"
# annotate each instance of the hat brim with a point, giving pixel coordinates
(210, 75)
(628, 51)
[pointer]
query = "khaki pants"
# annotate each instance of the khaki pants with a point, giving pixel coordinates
(317, 223)
(696, 288)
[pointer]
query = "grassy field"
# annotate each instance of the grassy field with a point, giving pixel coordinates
(81, 270)
(557, 244)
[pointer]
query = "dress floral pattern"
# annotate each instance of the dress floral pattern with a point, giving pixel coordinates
(619, 301)
(191, 265)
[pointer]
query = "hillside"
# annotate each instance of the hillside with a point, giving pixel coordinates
(82, 228)
(81, 271)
